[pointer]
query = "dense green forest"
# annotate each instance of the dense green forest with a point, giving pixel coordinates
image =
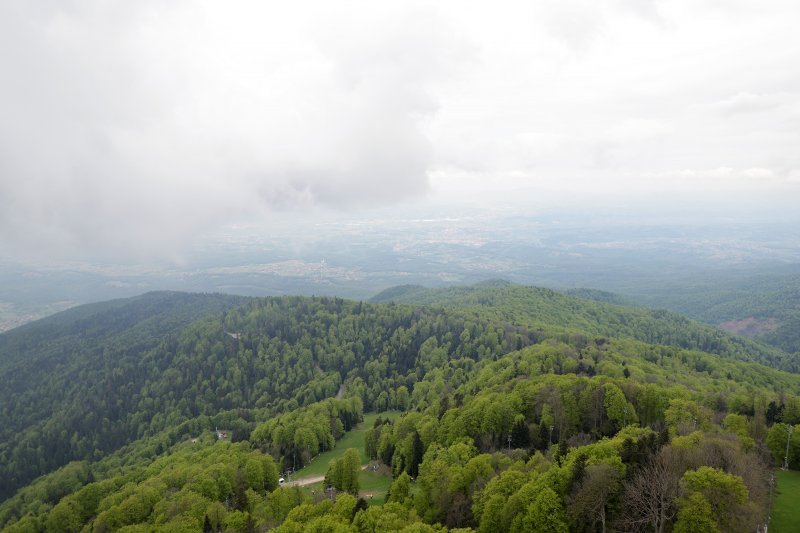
(539, 307)
(67, 378)
(524, 410)
(772, 302)
(764, 306)
(74, 397)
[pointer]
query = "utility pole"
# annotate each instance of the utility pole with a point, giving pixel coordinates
(509, 442)
(551, 435)
(786, 457)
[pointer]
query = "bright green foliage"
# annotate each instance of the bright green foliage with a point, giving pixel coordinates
(224, 467)
(344, 507)
(216, 515)
(739, 426)
(375, 440)
(235, 521)
(343, 473)
(491, 519)
(488, 503)
(351, 466)
(545, 514)
(468, 379)
(281, 502)
(695, 515)
(791, 411)
(777, 439)
(719, 487)
(726, 493)
(390, 517)
(684, 416)
(303, 433)
(615, 404)
(65, 517)
(447, 479)
(400, 489)
(536, 307)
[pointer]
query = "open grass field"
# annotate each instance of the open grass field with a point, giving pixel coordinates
(351, 439)
(374, 485)
(786, 503)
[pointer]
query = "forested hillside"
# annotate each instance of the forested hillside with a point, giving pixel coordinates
(131, 322)
(67, 378)
(87, 385)
(600, 315)
(510, 421)
(765, 307)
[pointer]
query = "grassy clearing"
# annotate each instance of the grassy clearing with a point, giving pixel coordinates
(319, 465)
(785, 508)
(374, 485)
(351, 439)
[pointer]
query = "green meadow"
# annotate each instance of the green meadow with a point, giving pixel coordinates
(374, 485)
(786, 503)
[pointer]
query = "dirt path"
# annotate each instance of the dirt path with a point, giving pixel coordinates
(302, 482)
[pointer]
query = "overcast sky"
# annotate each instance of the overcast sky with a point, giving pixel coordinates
(133, 127)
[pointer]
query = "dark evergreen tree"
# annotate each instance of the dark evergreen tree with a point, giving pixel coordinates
(544, 437)
(520, 434)
(240, 502)
(561, 451)
(417, 452)
(361, 505)
(774, 412)
(578, 471)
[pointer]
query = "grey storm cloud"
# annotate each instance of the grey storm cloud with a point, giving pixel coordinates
(133, 125)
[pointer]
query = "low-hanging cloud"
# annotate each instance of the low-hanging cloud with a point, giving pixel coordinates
(127, 127)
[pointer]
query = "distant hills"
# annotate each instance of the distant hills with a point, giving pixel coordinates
(765, 307)
(600, 315)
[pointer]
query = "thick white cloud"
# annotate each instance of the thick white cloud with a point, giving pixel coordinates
(133, 126)
(639, 93)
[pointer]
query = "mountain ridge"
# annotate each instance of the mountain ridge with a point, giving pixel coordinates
(534, 306)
